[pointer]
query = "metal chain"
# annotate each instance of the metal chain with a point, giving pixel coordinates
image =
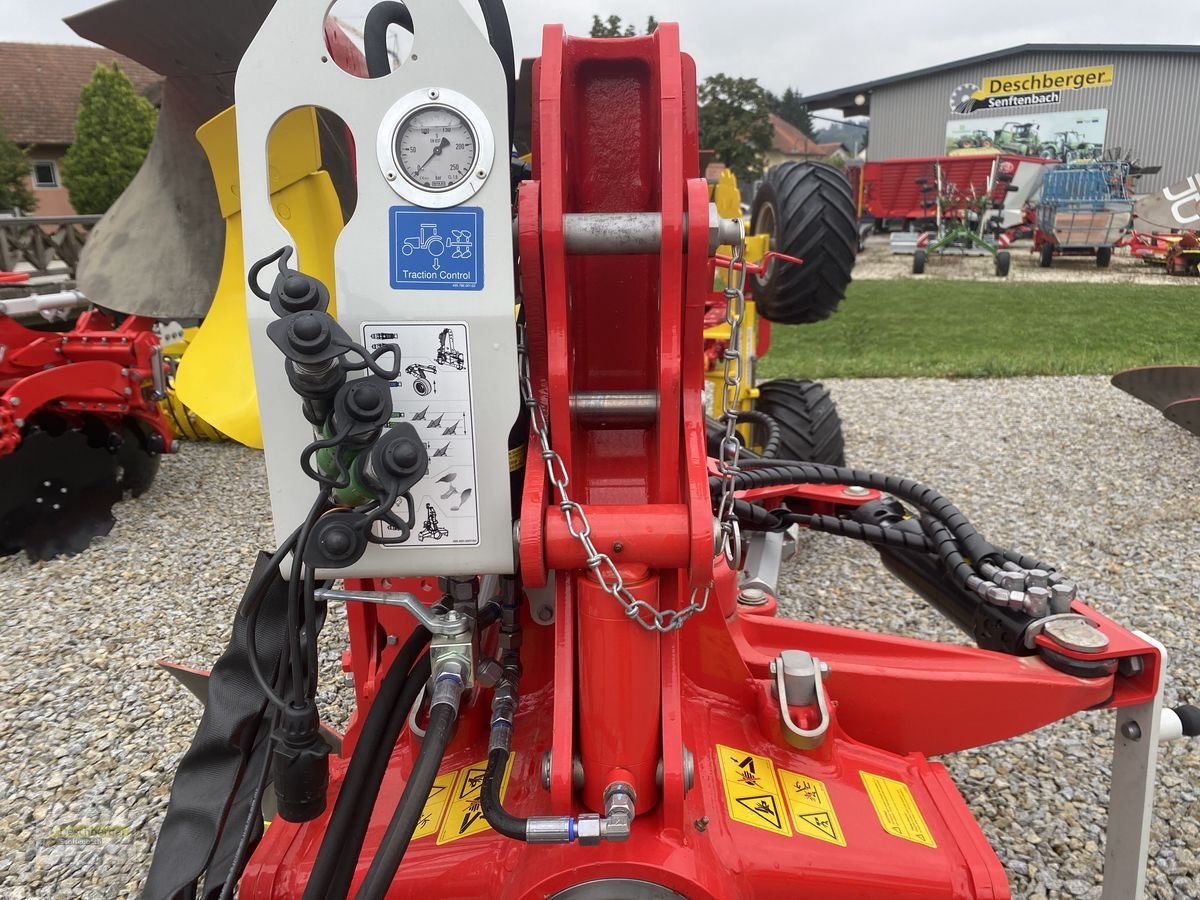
(601, 564)
(731, 393)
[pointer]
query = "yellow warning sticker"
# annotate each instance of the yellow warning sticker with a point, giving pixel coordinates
(896, 809)
(435, 805)
(464, 817)
(811, 809)
(752, 790)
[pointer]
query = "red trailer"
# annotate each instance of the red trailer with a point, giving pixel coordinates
(889, 192)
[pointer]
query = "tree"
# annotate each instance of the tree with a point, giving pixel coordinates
(792, 109)
(14, 170)
(113, 131)
(612, 27)
(734, 122)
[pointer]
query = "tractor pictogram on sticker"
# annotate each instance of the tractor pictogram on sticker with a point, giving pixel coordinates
(428, 240)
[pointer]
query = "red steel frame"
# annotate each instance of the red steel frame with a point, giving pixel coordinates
(98, 369)
(614, 129)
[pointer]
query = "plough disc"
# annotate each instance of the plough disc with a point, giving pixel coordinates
(59, 490)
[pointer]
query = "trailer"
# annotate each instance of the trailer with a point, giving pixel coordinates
(1083, 210)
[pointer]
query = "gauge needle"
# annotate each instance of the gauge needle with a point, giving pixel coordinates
(443, 143)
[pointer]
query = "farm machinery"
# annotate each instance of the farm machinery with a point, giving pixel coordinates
(80, 424)
(1083, 210)
(558, 693)
(966, 219)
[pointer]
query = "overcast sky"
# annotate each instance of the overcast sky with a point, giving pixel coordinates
(811, 46)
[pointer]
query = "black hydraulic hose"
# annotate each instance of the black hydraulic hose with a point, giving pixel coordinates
(768, 472)
(947, 550)
(412, 803)
(375, 32)
(358, 782)
(251, 606)
(753, 517)
(495, 17)
(1025, 562)
(491, 805)
(770, 444)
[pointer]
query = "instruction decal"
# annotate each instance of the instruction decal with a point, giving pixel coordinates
(752, 790)
(811, 809)
(435, 805)
(433, 393)
(896, 809)
(436, 250)
(464, 816)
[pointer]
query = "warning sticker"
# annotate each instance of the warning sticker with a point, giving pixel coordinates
(752, 790)
(435, 805)
(812, 812)
(464, 817)
(432, 392)
(896, 809)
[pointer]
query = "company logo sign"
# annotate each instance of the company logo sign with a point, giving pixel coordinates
(1027, 89)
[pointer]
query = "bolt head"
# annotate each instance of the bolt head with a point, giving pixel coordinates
(1131, 730)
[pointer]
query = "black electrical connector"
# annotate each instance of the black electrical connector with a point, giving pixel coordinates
(300, 766)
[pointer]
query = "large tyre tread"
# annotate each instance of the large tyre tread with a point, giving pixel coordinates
(810, 427)
(816, 222)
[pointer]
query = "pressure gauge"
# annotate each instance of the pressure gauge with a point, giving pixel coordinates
(435, 148)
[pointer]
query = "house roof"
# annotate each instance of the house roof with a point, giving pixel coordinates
(39, 93)
(843, 98)
(790, 140)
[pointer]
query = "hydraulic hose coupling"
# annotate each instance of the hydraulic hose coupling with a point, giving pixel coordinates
(504, 707)
(617, 821)
(449, 682)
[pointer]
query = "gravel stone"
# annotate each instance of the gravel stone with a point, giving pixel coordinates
(1067, 469)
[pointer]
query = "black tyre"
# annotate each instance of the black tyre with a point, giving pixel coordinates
(808, 210)
(1003, 262)
(422, 387)
(1047, 256)
(919, 262)
(1104, 257)
(810, 428)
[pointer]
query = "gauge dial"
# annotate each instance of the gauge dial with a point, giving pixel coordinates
(436, 148)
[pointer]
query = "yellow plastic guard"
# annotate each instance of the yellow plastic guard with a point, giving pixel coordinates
(215, 377)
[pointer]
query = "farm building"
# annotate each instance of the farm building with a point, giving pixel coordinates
(1067, 101)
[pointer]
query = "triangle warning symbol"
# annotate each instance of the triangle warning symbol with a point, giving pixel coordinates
(763, 806)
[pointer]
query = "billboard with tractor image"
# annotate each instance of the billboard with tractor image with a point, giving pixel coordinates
(1066, 136)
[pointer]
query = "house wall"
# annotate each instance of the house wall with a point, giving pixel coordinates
(1150, 111)
(50, 201)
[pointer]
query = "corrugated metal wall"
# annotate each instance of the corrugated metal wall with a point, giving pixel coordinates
(1153, 107)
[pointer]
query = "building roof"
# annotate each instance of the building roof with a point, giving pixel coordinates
(39, 93)
(790, 140)
(843, 98)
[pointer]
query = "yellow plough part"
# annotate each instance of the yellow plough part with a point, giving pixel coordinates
(215, 380)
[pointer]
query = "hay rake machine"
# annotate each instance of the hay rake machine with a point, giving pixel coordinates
(562, 697)
(79, 421)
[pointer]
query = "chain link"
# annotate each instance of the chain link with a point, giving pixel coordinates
(731, 393)
(601, 564)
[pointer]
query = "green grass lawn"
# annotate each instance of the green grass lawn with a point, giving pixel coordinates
(968, 329)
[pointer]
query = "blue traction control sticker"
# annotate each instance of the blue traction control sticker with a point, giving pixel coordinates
(436, 250)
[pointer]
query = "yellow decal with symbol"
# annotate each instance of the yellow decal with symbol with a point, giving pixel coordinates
(811, 809)
(752, 790)
(464, 817)
(435, 805)
(896, 809)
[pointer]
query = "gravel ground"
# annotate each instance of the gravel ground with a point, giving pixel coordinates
(1068, 469)
(877, 261)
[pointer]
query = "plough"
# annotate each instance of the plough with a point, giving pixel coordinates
(567, 693)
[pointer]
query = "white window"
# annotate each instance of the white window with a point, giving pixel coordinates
(45, 174)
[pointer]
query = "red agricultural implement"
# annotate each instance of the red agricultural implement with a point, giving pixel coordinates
(79, 422)
(558, 693)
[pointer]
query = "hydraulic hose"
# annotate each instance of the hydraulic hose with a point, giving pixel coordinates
(495, 18)
(491, 805)
(346, 828)
(770, 446)
(412, 802)
(770, 472)
(375, 29)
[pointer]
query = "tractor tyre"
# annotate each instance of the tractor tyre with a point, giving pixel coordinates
(919, 262)
(1104, 257)
(1003, 262)
(808, 210)
(1047, 255)
(809, 425)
